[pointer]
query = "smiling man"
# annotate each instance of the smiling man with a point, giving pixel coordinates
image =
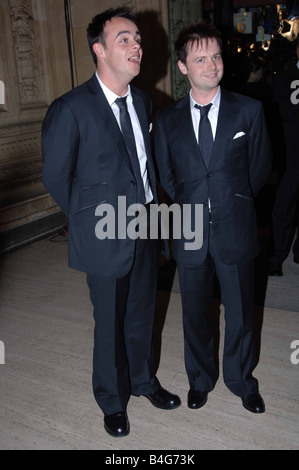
(96, 148)
(204, 67)
(212, 148)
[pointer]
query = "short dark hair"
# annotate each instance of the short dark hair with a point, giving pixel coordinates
(95, 30)
(195, 32)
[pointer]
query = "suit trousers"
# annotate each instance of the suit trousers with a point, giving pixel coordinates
(124, 315)
(239, 357)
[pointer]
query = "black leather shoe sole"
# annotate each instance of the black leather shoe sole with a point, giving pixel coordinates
(196, 399)
(117, 424)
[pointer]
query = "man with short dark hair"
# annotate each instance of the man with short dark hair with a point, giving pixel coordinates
(96, 149)
(212, 149)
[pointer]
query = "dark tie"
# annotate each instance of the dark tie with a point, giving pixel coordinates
(205, 135)
(127, 131)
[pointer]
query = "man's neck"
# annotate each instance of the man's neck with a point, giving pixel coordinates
(119, 88)
(204, 97)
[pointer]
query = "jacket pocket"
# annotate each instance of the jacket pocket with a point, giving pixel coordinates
(245, 221)
(92, 195)
(239, 145)
(244, 197)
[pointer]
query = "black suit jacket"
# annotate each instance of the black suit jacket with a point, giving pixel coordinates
(238, 169)
(86, 164)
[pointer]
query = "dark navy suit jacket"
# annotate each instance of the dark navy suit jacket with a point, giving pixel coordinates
(86, 164)
(238, 169)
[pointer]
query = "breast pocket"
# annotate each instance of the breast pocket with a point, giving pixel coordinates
(239, 145)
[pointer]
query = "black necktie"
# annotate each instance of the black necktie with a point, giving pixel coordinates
(205, 135)
(127, 131)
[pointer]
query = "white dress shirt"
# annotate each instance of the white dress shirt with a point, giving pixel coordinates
(139, 141)
(212, 116)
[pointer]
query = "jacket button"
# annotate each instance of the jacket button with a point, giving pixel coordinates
(208, 175)
(132, 183)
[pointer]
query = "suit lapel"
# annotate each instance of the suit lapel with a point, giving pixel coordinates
(184, 128)
(108, 122)
(226, 118)
(143, 120)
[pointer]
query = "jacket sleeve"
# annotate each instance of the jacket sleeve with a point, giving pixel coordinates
(60, 141)
(166, 175)
(260, 152)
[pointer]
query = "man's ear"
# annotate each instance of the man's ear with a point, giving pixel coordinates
(182, 67)
(98, 49)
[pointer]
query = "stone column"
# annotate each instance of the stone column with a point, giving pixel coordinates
(181, 13)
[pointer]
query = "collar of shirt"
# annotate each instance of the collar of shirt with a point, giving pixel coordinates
(298, 64)
(215, 101)
(213, 113)
(110, 95)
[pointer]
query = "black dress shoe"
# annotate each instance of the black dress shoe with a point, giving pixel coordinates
(254, 403)
(117, 424)
(163, 399)
(196, 399)
(275, 269)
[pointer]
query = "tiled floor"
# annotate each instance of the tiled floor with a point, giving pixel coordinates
(46, 400)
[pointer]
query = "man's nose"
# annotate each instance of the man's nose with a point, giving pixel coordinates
(212, 64)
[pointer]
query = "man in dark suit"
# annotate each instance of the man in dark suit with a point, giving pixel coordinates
(90, 168)
(286, 210)
(219, 161)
